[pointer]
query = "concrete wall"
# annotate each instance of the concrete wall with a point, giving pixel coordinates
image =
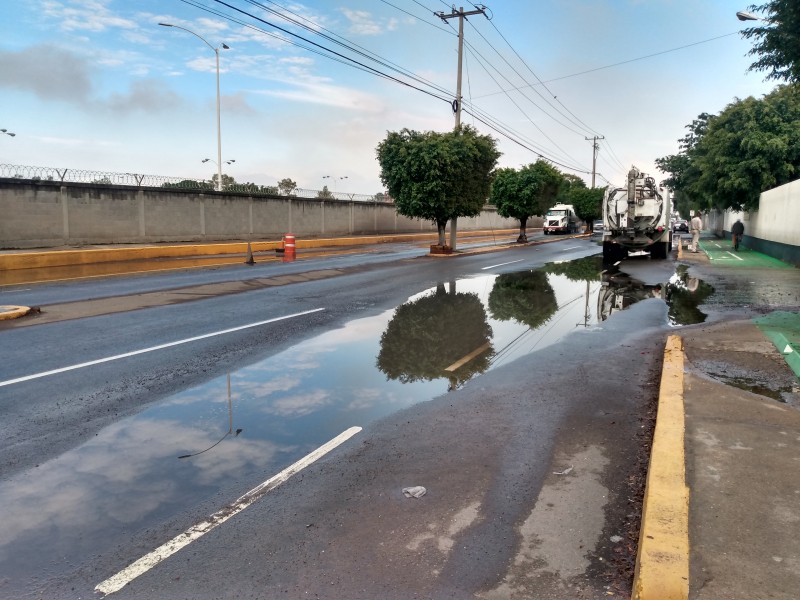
(773, 229)
(40, 214)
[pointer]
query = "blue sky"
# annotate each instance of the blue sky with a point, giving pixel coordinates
(98, 85)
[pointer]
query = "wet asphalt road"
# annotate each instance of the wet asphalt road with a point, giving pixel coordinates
(497, 522)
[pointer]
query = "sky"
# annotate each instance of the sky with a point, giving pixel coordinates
(99, 85)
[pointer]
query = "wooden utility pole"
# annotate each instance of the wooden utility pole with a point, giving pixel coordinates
(595, 148)
(480, 9)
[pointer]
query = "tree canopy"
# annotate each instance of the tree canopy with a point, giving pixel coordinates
(287, 186)
(587, 202)
(438, 176)
(520, 194)
(777, 42)
(727, 160)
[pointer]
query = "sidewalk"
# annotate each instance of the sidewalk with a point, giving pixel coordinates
(742, 471)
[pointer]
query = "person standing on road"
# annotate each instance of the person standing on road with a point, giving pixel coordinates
(697, 225)
(737, 231)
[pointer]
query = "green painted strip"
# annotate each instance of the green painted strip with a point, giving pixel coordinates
(722, 254)
(782, 328)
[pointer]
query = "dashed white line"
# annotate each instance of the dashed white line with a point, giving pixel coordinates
(570, 248)
(501, 264)
(147, 562)
(152, 348)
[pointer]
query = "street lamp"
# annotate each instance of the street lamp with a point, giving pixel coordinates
(227, 162)
(219, 127)
(7, 132)
(746, 16)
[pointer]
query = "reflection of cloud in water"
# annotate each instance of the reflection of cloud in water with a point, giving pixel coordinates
(91, 488)
(261, 389)
(365, 399)
(298, 405)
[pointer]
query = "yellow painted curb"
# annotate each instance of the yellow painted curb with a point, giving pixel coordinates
(13, 312)
(60, 258)
(662, 564)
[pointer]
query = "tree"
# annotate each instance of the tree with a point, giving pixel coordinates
(227, 181)
(524, 193)
(438, 176)
(587, 203)
(287, 186)
(777, 44)
(729, 159)
(325, 193)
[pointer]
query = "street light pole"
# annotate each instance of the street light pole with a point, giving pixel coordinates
(219, 123)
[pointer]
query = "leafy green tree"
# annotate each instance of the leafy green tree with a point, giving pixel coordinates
(227, 181)
(729, 159)
(286, 186)
(525, 297)
(777, 43)
(438, 176)
(324, 193)
(428, 335)
(190, 184)
(587, 202)
(522, 194)
(570, 183)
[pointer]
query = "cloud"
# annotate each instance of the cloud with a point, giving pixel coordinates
(363, 23)
(84, 15)
(146, 96)
(48, 71)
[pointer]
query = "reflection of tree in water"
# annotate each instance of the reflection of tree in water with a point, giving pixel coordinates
(526, 297)
(684, 295)
(434, 332)
(582, 269)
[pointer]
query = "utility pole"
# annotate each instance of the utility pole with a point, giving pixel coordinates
(480, 9)
(595, 148)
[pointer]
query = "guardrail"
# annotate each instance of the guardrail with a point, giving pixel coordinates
(31, 173)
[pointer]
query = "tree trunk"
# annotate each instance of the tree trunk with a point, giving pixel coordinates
(442, 227)
(523, 231)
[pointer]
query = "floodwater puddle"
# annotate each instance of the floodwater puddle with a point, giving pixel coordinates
(252, 423)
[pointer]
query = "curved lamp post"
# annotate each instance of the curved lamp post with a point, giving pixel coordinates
(219, 127)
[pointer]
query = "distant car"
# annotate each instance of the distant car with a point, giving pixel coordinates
(597, 226)
(680, 225)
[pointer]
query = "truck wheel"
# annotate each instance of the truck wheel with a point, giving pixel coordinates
(613, 252)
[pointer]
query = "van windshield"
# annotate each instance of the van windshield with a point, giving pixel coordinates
(556, 213)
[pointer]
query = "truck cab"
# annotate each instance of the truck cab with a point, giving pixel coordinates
(561, 219)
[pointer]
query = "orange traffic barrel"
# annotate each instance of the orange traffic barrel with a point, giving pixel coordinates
(289, 243)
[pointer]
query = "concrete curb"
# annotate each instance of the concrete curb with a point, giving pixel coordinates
(662, 564)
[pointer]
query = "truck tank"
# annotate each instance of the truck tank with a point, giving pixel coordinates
(636, 217)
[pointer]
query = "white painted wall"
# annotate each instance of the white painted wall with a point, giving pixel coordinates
(776, 220)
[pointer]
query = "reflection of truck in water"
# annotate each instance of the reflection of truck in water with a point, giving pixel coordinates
(636, 217)
(561, 219)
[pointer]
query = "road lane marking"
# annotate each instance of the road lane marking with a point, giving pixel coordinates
(153, 348)
(147, 562)
(736, 257)
(501, 264)
(570, 248)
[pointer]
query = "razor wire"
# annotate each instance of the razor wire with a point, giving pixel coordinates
(36, 174)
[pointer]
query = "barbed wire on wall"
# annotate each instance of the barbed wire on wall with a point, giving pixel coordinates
(160, 181)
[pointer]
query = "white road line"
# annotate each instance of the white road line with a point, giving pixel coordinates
(147, 562)
(501, 264)
(152, 349)
(734, 256)
(570, 248)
